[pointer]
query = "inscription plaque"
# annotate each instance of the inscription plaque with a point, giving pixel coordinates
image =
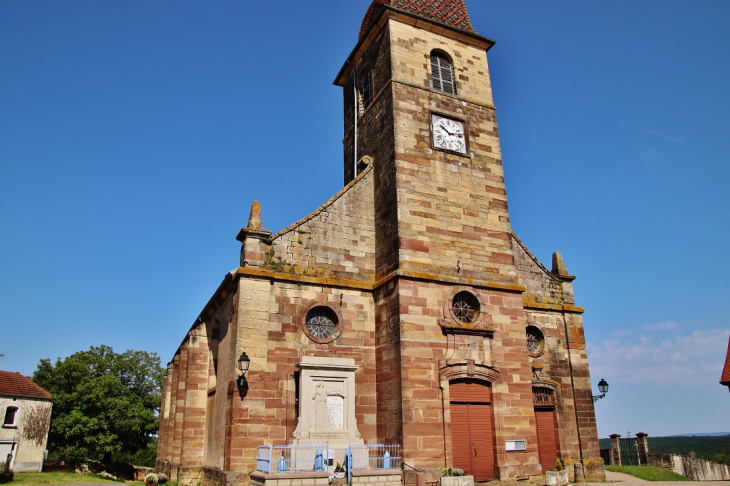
(335, 412)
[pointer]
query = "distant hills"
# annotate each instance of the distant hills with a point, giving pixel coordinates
(714, 446)
(707, 434)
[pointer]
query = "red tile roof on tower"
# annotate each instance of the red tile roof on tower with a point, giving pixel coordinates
(17, 385)
(725, 380)
(449, 12)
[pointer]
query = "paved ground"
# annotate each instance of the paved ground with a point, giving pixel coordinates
(621, 479)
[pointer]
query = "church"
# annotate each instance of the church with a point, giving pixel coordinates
(402, 314)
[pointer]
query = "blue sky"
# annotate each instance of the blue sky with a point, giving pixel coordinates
(135, 135)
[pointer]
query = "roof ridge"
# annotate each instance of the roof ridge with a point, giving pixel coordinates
(452, 13)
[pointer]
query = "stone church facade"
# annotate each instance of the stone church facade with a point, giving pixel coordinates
(402, 311)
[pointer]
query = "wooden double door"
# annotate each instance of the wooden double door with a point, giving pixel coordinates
(472, 428)
(547, 437)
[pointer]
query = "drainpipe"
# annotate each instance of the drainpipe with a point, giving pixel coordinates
(572, 385)
(356, 107)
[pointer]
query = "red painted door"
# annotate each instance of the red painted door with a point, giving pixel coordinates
(546, 438)
(472, 437)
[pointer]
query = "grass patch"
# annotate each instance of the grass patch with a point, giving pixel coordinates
(648, 473)
(23, 479)
(57, 478)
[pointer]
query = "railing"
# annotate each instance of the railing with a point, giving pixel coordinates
(322, 458)
(542, 396)
(57, 466)
(292, 459)
(376, 456)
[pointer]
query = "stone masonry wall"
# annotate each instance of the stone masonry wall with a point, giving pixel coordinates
(412, 46)
(375, 139)
(219, 327)
(271, 315)
(549, 307)
(425, 349)
(452, 213)
(191, 433)
(542, 286)
(691, 467)
(388, 366)
(338, 239)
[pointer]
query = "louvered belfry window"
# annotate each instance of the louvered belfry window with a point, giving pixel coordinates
(442, 73)
(367, 90)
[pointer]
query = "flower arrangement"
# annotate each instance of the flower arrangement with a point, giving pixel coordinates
(449, 471)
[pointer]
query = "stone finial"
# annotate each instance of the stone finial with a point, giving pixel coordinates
(254, 228)
(254, 220)
(253, 251)
(559, 269)
(558, 265)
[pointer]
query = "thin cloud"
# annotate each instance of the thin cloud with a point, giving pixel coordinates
(662, 326)
(680, 358)
(652, 132)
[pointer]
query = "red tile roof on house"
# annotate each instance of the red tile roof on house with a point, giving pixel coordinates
(16, 385)
(449, 12)
(725, 380)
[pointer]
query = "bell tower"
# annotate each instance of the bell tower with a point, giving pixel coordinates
(418, 101)
(448, 306)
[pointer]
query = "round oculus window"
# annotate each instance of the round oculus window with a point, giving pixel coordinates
(465, 307)
(535, 341)
(321, 324)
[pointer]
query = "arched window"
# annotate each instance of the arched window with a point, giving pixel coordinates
(535, 341)
(11, 417)
(442, 73)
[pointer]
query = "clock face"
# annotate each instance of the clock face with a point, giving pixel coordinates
(448, 134)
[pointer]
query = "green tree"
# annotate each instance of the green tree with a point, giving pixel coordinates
(105, 405)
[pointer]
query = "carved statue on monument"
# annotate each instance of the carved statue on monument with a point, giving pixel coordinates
(320, 407)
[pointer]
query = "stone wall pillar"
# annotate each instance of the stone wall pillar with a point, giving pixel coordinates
(196, 390)
(252, 419)
(642, 445)
(162, 443)
(615, 449)
(179, 394)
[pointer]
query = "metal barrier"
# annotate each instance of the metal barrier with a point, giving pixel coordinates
(321, 458)
(376, 456)
(292, 458)
(57, 466)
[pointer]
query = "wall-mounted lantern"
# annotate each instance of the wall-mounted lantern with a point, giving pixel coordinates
(603, 388)
(243, 364)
